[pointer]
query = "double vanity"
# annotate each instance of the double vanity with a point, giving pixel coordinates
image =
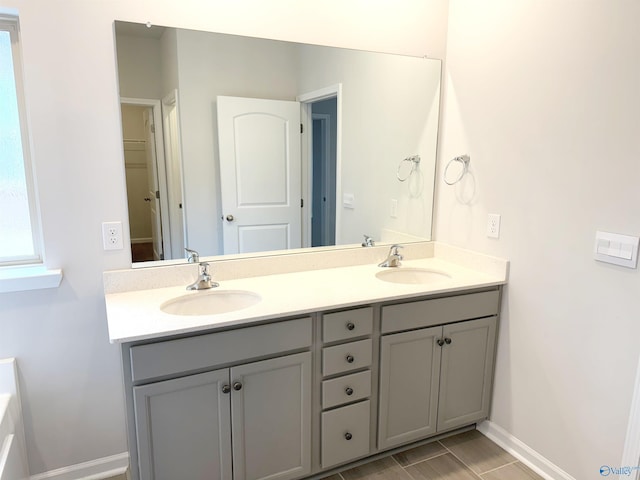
(302, 365)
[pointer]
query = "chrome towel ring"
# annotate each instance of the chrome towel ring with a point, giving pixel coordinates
(415, 161)
(464, 160)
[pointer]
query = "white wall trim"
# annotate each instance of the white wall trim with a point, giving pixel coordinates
(94, 470)
(631, 453)
(523, 452)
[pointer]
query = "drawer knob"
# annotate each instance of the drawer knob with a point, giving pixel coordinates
(348, 436)
(440, 342)
(447, 341)
(349, 391)
(237, 386)
(350, 359)
(350, 326)
(226, 389)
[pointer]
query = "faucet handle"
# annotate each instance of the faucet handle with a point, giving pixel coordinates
(192, 255)
(394, 250)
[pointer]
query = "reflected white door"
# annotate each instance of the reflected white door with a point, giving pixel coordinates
(152, 181)
(260, 174)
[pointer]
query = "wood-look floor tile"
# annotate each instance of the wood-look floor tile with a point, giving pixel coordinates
(419, 454)
(513, 471)
(477, 452)
(384, 469)
(442, 467)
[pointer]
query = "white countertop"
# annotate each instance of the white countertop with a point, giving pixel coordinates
(136, 315)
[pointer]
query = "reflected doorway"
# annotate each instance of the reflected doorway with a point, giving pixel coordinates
(323, 189)
(145, 179)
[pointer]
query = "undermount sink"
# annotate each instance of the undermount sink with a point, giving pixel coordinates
(411, 275)
(210, 302)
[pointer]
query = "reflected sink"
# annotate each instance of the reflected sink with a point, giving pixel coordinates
(411, 275)
(210, 302)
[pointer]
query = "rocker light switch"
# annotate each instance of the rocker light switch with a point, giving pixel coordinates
(617, 249)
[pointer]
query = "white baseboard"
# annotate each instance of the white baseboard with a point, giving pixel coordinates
(523, 452)
(94, 470)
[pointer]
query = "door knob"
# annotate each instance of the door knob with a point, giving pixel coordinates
(229, 218)
(226, 389)
(147, 199)
(440, 342)
(447, 341)
(237, 386)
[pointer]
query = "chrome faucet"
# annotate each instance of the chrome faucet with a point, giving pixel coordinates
(204, 278)
(204, 281)
(192, 255)
(368, 241)
(394, 257)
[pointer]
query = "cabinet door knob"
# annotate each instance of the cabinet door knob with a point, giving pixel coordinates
(237, 386)
(226, 389)
(350, 326)
(440, 342)
(348, 436)
(350, 359)
(349, 391)
(447, 341)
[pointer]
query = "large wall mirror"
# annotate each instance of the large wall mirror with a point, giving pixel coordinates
(242, 145)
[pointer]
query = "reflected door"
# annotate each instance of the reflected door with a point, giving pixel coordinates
(152, 181)
(260, 174)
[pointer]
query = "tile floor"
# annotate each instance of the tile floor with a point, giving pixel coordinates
(466, 456)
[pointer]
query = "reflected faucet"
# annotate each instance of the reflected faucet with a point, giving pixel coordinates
(368, 241)
(393, 258)
(204, 278)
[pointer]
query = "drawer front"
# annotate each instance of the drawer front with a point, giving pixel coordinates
(348, 388)
(345, 325)
(346, 357)
(426, 313)
(345, 434)
(203, 351)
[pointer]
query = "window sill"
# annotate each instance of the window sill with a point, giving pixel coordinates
(28, 277)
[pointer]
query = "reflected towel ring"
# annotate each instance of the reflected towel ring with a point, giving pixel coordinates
(464, 160)
(415, 159)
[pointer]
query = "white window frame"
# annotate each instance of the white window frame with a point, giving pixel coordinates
(25, 272)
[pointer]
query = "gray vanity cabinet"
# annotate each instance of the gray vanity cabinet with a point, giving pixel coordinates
(437, 378)
(184, 428)
(250, 422)
(228, 405)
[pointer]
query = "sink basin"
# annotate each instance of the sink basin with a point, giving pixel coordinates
(210, 302)
(411, 275)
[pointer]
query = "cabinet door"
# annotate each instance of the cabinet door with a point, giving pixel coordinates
(183, 429)
(271, 416)
(409, 371)
(467, 369)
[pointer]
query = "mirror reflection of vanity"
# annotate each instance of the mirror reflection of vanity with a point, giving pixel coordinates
(195, 167)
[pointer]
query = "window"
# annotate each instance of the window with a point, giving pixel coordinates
(19, 232)
(21, 259)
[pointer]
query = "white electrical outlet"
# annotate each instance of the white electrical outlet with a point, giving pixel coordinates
(493, 225)
(112, 236)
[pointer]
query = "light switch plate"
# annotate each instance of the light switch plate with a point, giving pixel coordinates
(348, 200)
(616, 249)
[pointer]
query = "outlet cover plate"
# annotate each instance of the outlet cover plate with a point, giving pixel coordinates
(493, 225)
(112, 236)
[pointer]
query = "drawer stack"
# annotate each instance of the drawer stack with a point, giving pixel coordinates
(346, 385)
